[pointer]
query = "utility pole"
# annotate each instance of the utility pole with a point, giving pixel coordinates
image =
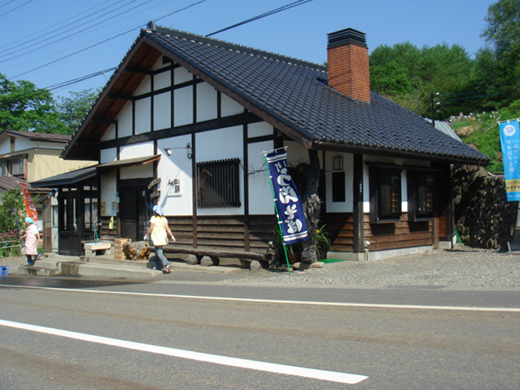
(433, 109)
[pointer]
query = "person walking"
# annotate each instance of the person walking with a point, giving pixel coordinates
(32, 240)
(159, 231)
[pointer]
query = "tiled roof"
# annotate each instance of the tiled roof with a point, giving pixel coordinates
(11, 182)
(295, 94)
(49, 137)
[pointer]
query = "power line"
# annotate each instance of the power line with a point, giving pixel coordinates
(68, 36)
(106, 40)
(98, 73)
(80, 17)
(14, 9)
(268, 13)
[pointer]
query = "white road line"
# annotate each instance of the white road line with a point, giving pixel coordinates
(317, 303)
(332, 376)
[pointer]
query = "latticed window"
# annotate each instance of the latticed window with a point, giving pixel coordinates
(421, 199)
(218, 184)
(385, 194)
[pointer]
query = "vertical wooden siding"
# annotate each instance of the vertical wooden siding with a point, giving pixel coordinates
(224, 232)
(402, 234)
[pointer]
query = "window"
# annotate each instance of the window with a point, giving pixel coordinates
(421, 203)
(13, 167)
(17, 167)
(218, 184)
(385, 194)
(338, 186)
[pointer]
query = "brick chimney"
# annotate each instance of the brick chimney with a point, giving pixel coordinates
(347, 61)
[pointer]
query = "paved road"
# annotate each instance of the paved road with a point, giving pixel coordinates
(360, 332)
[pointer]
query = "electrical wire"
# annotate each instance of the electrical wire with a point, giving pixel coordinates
(11, 10)
(41, 35)
(70, 35)
(268, 13)
(95, 74)
(106, 40)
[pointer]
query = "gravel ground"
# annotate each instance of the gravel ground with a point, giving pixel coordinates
(462, 268)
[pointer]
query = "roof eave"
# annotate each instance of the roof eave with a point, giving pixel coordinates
(360, 149)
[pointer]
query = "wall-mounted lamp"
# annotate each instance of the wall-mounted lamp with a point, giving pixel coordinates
(169, 151)
(337, 163)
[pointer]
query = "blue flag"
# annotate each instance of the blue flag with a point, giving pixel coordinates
(510, 142)
(289, 205)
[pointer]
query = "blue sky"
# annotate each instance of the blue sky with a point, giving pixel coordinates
(39, 32)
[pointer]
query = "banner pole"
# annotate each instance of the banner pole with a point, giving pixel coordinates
(276, 212)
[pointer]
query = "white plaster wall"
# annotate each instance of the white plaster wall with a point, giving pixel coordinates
(259, 129)
(219, 145)
(260, 195)
(144, 87)
(125, 121)
(181, 75)
(109, 134)
(229, 106)
(108, 191)
(138, 150)
(183, 106)
(206, 102)
(176, 166)
(162, 80)
(142, 149)
(296, 154)
(162, 111)
(143, 112)
(348, 167)
(107, 155)
(137, 171)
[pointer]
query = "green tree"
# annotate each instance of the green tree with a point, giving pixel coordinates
(503, 34)
(25, 107)
(11, 202)
(408, 75)
(73, 109)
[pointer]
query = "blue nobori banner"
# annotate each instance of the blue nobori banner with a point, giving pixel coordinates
(290, 209)
(510, 143)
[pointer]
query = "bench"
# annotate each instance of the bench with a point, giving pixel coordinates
(99, 248)
(208, 257)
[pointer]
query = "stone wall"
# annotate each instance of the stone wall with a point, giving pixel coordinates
(483, 216)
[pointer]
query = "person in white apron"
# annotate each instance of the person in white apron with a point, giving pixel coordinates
(159, 231)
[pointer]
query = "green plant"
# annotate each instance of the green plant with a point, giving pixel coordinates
(323, 243)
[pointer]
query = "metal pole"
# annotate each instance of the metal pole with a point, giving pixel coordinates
(433, 109)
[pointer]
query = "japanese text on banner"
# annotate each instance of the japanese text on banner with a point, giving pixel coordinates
(27, 200)
(510, 143)
(290, 208)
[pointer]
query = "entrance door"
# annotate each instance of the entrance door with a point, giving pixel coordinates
(133, 211)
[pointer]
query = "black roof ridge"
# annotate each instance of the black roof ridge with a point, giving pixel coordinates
(234, 46)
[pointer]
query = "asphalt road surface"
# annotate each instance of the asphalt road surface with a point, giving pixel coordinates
(58, 334)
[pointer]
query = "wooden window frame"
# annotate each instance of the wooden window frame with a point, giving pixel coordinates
(218, 184)
(421, 195)
(385, 181)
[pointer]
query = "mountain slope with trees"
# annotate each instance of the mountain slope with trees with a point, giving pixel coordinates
(472, 93)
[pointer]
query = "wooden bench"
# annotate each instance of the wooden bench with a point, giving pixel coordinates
(246, 258)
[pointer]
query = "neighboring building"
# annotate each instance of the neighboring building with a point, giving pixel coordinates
(183, 123)
(27, 157)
